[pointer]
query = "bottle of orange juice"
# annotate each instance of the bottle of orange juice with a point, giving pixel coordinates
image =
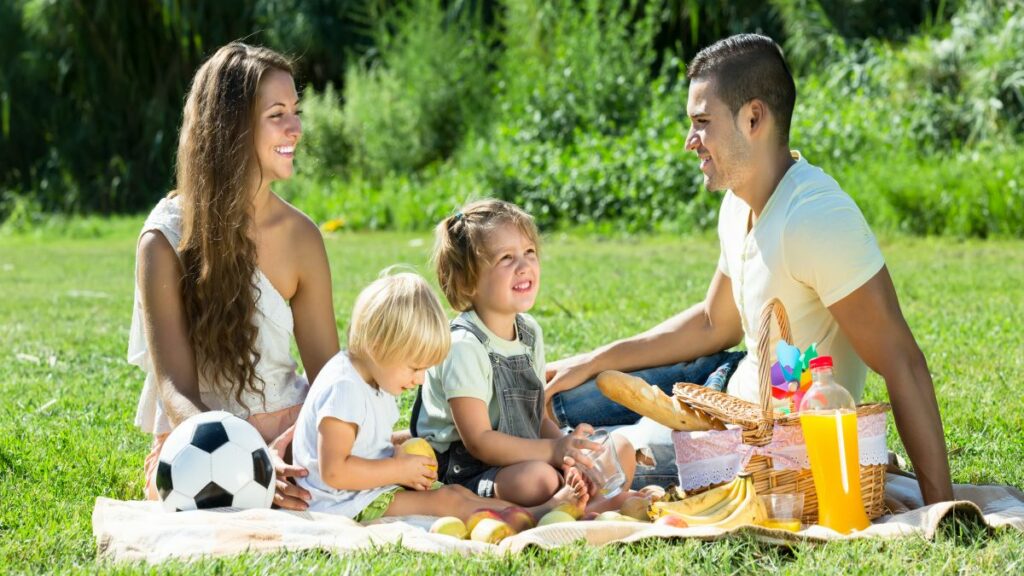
(828, 417)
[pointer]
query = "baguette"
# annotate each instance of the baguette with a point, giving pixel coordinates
(648, 400)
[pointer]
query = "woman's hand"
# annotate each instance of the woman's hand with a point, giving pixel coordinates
(416, 472)
(287, 494)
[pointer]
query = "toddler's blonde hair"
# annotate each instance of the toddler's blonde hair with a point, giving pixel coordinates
(399, 318)
(460, 245)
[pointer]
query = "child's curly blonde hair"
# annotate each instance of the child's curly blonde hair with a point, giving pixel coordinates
(461, 245)
(399, 318)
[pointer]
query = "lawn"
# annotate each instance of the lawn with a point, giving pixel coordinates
(66, 433)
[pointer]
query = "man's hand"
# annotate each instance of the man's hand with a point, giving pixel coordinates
(566, 374)
(287, 494)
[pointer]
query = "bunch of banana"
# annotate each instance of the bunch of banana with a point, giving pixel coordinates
(673, 494)
(727, 506)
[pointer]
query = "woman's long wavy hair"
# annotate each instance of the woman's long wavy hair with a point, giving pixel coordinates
(215, 173)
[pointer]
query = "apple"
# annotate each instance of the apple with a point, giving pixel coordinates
(556, 517)
(491, 531)
(571, 509)
(479, 515)
(671, 520)
(636, 507)
(518, 518)
(420, 447)
(613, 516)
(652, 491)
(450, 526)
(589, 516)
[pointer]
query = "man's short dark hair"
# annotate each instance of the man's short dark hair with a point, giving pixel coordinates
(748, 66)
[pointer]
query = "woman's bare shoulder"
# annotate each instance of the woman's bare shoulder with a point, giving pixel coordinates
(154, 249)
(298, 233)
(295, 222)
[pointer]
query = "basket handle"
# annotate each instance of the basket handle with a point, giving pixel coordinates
(771, 308)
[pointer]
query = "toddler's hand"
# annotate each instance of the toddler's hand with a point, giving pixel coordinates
(416, 472)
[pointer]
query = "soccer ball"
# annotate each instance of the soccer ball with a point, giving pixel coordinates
(212, 460)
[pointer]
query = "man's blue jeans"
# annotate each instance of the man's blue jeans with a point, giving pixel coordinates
(586, 404)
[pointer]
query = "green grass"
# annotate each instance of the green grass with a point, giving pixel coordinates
(66, 435)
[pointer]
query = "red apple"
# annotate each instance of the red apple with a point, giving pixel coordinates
(491, 531)
(518, 518)
(672, 520)
(479, 515)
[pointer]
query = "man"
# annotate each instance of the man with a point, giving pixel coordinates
(788, 231)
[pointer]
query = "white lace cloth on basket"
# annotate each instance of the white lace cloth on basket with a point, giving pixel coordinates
(713, 457)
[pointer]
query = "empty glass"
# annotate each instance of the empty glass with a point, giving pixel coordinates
(606, 472)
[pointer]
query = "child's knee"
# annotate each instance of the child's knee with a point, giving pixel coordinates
(625, 450)
(543, 475)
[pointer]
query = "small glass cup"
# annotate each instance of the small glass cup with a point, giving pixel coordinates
(606, 472)
(783, 511)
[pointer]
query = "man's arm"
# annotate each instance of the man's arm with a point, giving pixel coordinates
(705, 328)
(871, 319)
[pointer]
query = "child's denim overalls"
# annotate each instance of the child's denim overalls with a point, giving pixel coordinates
(520, 396)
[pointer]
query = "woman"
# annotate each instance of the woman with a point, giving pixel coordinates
(227, 271)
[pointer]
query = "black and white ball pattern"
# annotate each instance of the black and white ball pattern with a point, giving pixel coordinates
(212, 460)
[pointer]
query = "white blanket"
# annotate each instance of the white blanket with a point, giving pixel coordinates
(138, 530)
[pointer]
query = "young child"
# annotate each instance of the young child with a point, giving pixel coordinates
(342, 435)
(482, 410)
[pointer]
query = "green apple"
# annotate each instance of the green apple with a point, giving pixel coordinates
(555, 517)
(451, 526)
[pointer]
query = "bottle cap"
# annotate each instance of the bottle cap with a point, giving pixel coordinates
(821, 362)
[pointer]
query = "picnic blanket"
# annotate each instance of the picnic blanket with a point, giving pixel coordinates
(140, 530)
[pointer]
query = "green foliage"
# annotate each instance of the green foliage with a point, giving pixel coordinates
(584, 134)
(976, 193)
(427, 87)
(91, 92)
(637, 180)
(570, 69)
(324, 147)
(92, 121)
(574, 109)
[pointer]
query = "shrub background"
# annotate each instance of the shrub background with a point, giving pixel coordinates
(575, 110)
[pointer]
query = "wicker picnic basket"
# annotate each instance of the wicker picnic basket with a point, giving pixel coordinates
(759, 421)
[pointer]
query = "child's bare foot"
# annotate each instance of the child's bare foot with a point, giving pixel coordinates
(575, 479)
(574, 492)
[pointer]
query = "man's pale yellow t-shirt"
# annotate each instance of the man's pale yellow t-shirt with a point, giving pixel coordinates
(811, 247)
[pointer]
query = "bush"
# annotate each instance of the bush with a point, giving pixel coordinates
(414, 102)
(324, 149)
(975, 193)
